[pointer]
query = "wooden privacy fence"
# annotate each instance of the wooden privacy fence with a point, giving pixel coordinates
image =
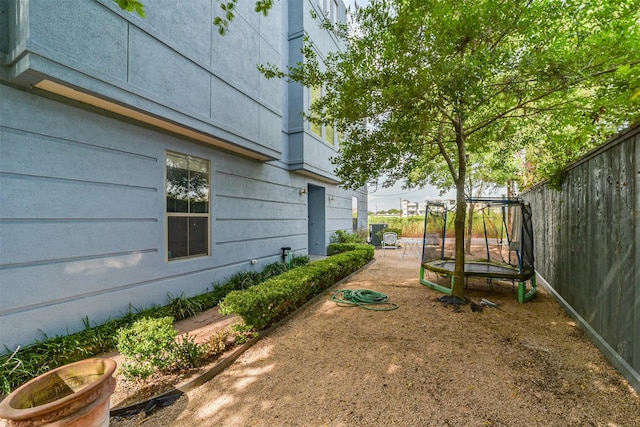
(586, 247)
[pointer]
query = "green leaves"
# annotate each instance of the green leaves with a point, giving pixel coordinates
(228, 13)
(222, 22)
(146, 345)
(422, 81)
(131, 5)
(151, 345)
(264, 6)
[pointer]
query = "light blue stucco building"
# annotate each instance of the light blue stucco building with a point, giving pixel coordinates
(141, 157)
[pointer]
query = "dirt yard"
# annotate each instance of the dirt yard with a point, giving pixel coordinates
(420, 365)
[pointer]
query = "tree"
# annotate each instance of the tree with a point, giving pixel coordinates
(426, 83)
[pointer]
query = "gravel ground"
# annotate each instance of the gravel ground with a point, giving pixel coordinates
(420, 365)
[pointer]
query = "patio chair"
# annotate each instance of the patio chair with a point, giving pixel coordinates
(390, 241)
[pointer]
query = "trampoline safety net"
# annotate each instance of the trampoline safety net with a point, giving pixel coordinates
(498, 238)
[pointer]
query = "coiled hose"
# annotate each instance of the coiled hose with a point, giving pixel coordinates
(371, 300)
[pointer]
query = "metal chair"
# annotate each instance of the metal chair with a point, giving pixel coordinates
(390, 241)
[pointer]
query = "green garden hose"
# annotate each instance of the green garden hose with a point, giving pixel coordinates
(371, 300)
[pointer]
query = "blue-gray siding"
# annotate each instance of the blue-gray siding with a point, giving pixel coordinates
(82, 212)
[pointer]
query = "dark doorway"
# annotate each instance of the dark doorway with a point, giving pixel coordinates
(316, 221)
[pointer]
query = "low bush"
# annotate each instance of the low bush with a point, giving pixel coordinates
(187, 353)
(147, 346)
(242, 333)
(341, 236)
(219, 341)
(338, 248)
(266, 303)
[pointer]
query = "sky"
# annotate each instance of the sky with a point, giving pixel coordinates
(384, 199)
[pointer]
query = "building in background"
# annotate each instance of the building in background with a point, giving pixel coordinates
(141, 157)
(413, 208)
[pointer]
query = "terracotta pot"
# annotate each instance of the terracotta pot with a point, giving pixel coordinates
(72, 395)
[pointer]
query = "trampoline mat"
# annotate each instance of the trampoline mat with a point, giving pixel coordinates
(477, 269)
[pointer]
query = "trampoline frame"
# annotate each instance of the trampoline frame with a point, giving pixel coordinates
(508, 272)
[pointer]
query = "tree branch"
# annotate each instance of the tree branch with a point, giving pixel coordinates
(506, 31)
(520, 104)
(450, 164)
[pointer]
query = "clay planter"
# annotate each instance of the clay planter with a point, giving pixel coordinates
(74, 395)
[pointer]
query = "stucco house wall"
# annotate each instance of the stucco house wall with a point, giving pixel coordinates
(88, 115)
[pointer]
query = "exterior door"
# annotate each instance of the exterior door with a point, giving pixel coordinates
(317, 220)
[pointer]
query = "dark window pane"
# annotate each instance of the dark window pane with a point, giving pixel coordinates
(198, 236)
(200, 207)
(176, 205)
(177, 189)
(178, 237)
(199, 190)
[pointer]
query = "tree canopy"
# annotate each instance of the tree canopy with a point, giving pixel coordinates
(427, 84)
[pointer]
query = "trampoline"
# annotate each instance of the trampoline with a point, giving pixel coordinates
(501, 248)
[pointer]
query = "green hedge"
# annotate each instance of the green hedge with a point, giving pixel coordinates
(270, 301)
(338, 248)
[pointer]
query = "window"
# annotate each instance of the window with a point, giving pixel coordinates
(187, 191)
(329, 134)
(330, 9)
(316, 93)
(334, 11)
(331, 137)
(322, 4)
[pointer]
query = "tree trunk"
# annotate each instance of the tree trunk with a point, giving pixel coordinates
(461, 210)
(467, 248)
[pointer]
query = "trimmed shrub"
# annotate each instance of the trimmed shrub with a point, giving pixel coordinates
(150, 345)
(147, 346)
(338, 248)
(264, 304)
(341, 236)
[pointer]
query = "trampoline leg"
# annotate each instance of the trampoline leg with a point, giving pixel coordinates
(435, 286)
(521, 288)
(528, 296)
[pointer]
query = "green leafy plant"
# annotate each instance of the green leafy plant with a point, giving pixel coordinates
(299, 261)
(243, 333)
(341, 236)
(338, 248)
(181, 308)
(187, 353)
(147, 346)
